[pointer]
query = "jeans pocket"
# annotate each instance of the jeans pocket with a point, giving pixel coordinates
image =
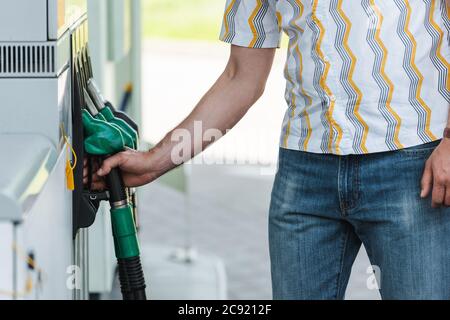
(425, 149)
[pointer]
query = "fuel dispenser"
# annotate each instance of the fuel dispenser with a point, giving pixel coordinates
(52, 117)
(42, 257)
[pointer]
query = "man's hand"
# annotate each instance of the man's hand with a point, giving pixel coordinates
(436, 177)
(136, 169)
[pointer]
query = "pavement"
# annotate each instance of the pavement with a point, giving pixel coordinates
(224, 209)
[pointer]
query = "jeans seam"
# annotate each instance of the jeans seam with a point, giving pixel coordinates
(299, 284)
(342, 205)
(341, 267)
(357, 189)
(417, 153)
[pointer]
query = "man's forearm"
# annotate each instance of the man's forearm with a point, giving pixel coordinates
(228, 100)
(220, 109)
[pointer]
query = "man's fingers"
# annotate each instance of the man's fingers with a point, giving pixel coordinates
(95, 178)
(438, 194)
(427, 180)
(447, 197)
(110, 163)
(98, 186)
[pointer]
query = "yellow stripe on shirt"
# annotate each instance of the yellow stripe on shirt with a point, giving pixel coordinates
(280, 21)
(323, 84)
(293, 99)
(350, 76)
(292, 43)
(417, 72)
(385, 76)
(251, 22)
(441, 37)
(225, 19)
(305, 111)
(302, 9)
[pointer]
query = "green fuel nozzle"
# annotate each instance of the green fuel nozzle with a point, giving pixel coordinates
(101, 137)
(127, 138)
(105, 138)
(100, 104)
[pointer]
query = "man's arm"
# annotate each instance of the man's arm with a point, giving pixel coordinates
(237, 89)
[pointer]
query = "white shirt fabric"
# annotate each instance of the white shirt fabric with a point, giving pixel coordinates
(363, 76)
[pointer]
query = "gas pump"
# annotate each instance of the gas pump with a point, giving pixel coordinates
(39, 40)
(104, 135)
(45, 210)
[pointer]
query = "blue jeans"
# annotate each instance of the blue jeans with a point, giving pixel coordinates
(324, 206)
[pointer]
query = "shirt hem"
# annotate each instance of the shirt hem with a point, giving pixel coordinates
(271, 41)
(292, 144)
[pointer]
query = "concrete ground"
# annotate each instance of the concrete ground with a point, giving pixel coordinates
(224, 211)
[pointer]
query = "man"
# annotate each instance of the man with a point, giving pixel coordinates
(365, 144)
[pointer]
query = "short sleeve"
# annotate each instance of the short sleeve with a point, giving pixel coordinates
(251, 23)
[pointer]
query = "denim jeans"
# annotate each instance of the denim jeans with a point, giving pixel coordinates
(325, 206)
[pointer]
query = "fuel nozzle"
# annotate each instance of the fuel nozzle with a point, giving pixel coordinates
(90, 106)
(98, 102)
(105, 136)
(97, 97)
(103, 115)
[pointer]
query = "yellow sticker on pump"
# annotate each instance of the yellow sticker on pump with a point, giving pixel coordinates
(70, 181)
(69, 176)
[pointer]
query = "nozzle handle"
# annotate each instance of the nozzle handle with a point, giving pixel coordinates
(94, 92)
(90, 104)
(117, 191)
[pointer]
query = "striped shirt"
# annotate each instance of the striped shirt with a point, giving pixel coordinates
(363, 76)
